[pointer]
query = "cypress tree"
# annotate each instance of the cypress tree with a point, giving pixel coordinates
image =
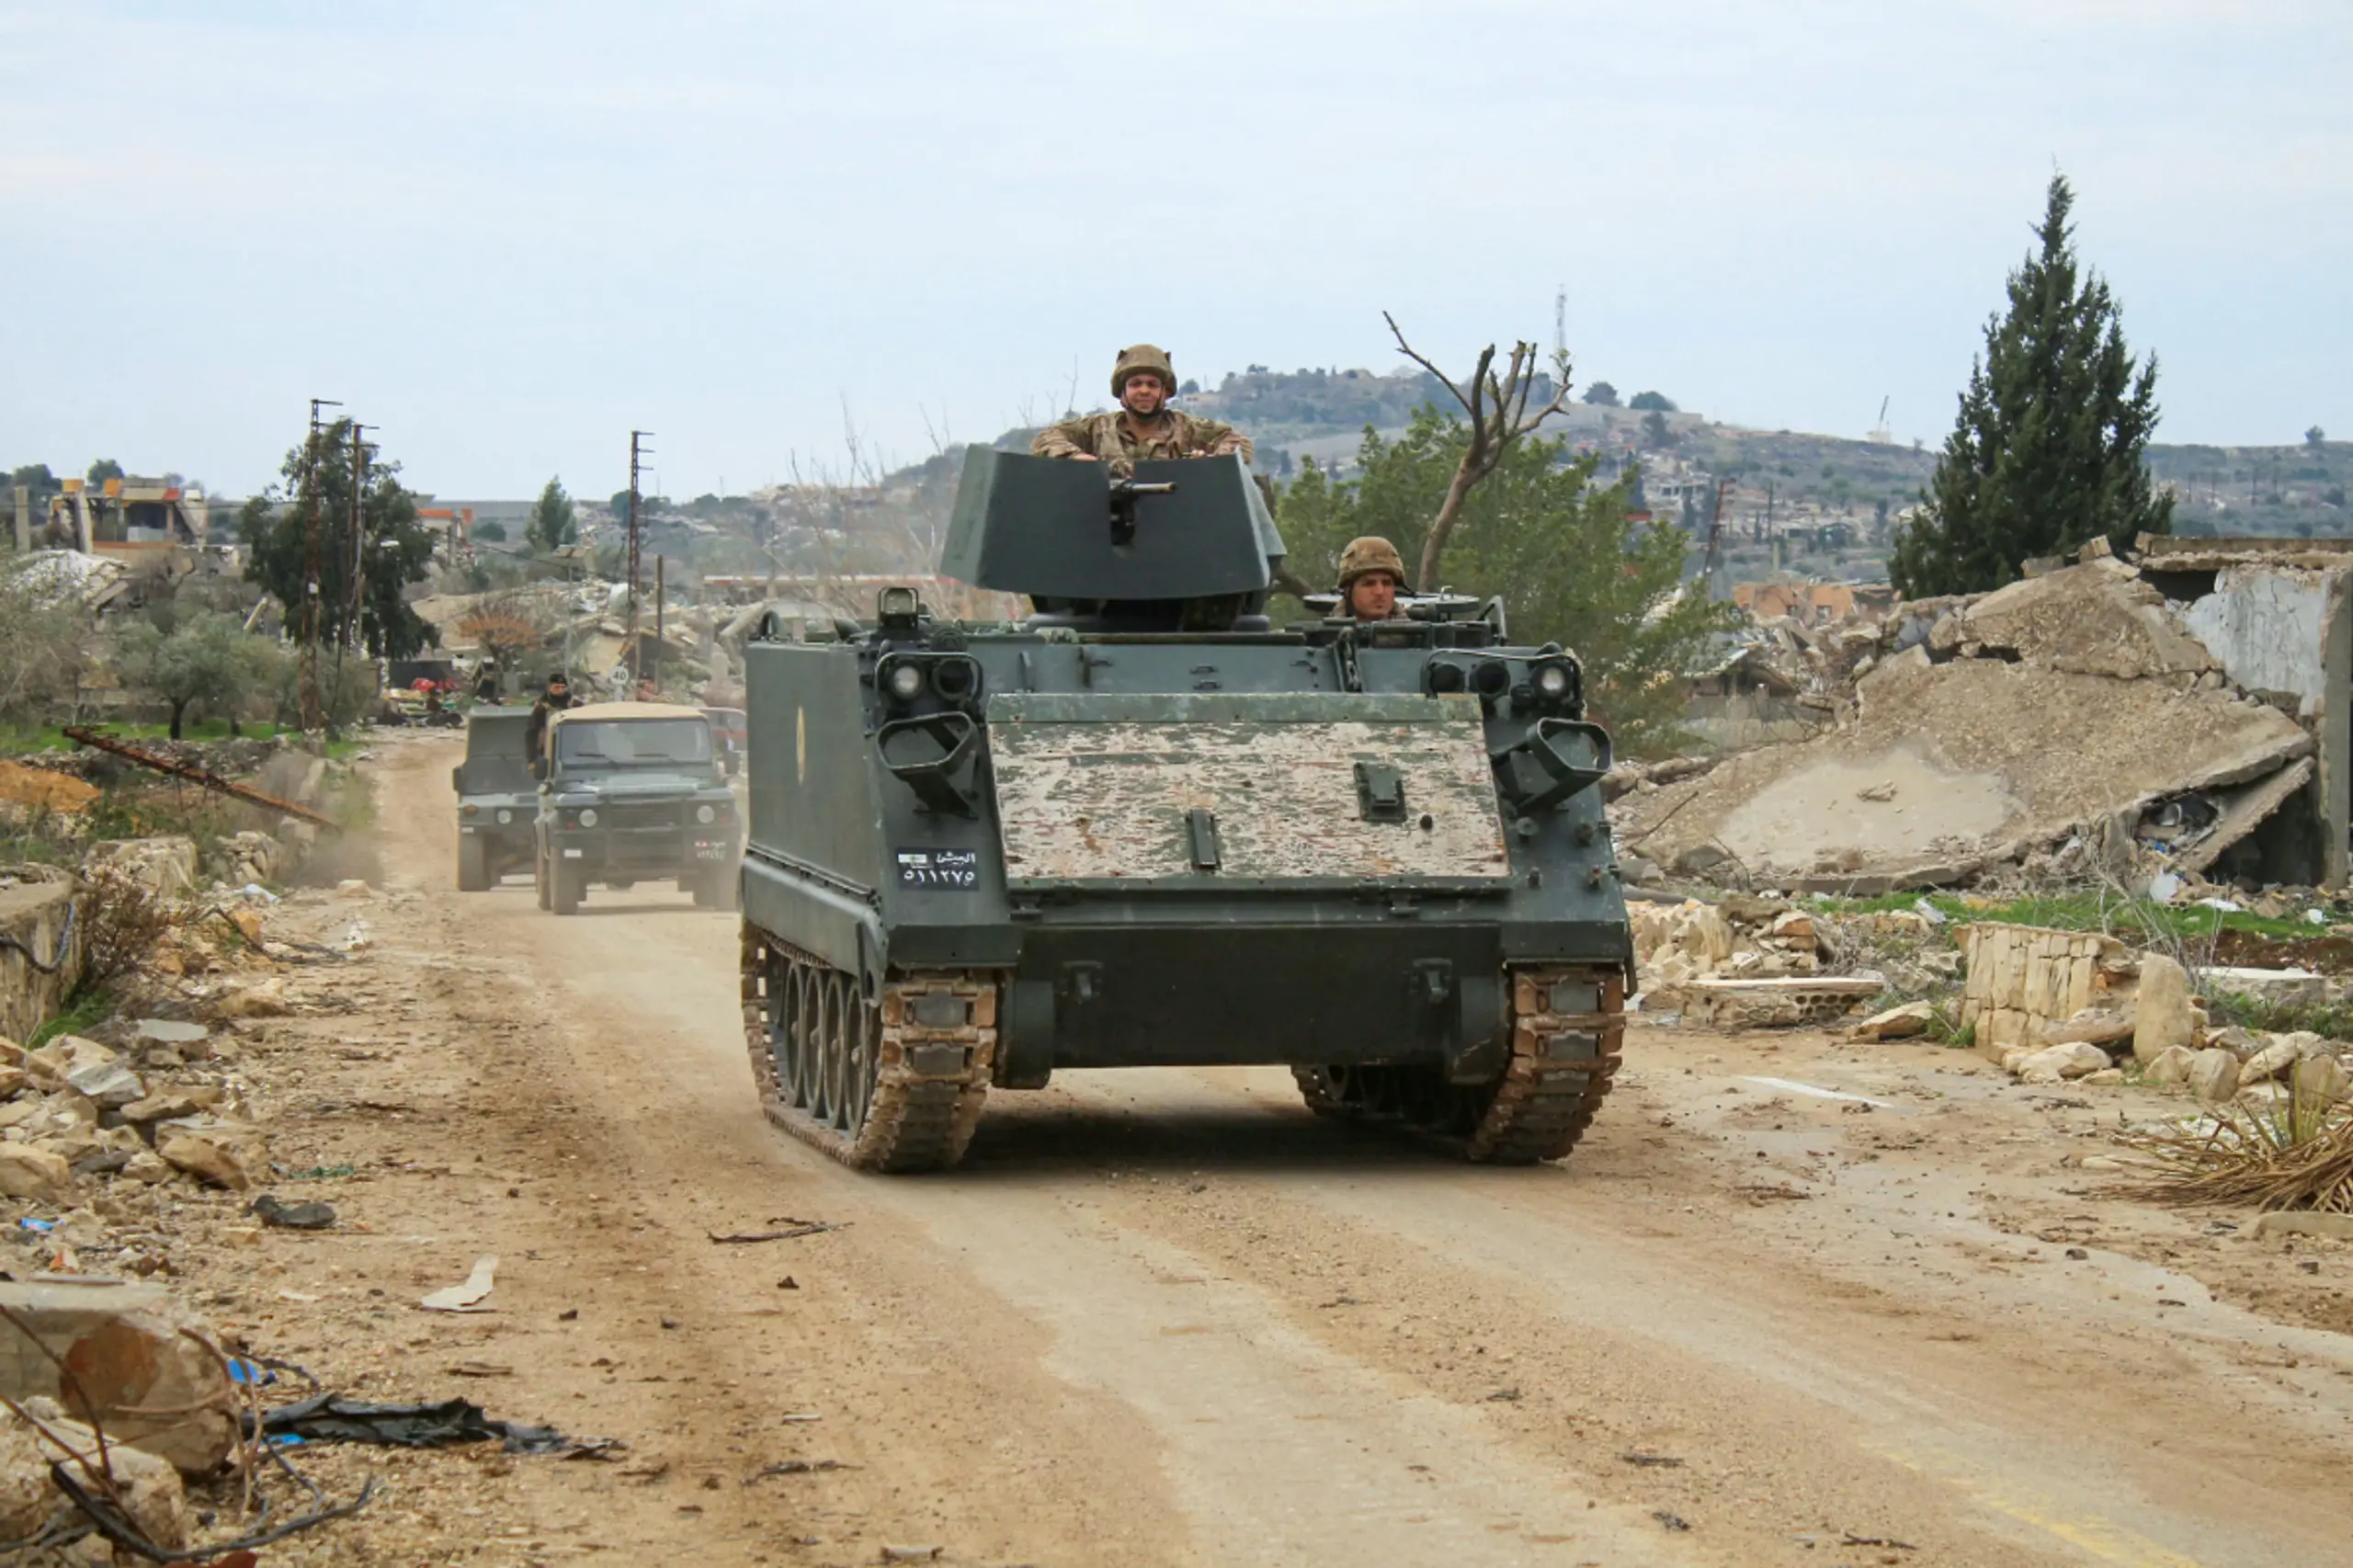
(2048, 450)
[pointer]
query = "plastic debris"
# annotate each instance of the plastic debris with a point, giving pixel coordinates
(331, 1418)
(311, 1216)
(1792, 1086)
(467, 1296)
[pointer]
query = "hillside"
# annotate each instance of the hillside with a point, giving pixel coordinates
(1814, 504)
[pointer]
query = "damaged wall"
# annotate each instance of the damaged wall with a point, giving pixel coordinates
(2274, 613)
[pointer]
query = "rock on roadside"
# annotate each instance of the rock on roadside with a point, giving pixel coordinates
(2163, 1016)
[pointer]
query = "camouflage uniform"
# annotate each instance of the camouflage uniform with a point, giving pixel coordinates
(1122, 440)
(535, 729)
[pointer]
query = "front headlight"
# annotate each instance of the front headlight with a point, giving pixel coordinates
(906, 682)
(505, 816)
(587, 816)
(1553, 682)
(705, 814)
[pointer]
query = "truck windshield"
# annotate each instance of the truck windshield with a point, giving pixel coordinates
(621, 743)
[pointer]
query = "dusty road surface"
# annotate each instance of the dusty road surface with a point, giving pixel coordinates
(1168, 1318)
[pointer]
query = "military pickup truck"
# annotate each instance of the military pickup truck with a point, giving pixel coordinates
(635, 792)
(497, 800)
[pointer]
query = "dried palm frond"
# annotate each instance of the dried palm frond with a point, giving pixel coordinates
(2296, 1155)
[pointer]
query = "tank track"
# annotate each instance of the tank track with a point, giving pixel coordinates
(1560, 1071)
(894, 1085)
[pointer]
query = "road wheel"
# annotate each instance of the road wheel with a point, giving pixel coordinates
(888, 1084)
(474, 864)
(565, 886)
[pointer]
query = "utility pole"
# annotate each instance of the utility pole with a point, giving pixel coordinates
(638, 450)
(313, 714)
(349, 630)
(661, 599)
(358, 527)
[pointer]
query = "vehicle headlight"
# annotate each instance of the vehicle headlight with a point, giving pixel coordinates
(505, 816)
(906, 682)
(587, 816)
(705, 814)
(1553, 682)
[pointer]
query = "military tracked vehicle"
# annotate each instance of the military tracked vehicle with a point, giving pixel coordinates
(1145, 826)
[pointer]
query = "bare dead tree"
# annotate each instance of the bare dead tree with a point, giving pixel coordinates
(1497, 404)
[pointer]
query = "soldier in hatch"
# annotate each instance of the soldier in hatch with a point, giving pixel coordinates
(1146, 428)
(1372, 576)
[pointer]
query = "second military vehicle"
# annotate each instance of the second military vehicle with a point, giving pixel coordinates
(497, 799)
(634, 792)
(1147, 828)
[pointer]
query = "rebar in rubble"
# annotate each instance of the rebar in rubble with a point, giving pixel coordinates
(83, 734)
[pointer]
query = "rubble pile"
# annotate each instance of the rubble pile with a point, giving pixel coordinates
(2071, 725)
(2059, 1006)
(1747, 962)
(122, 1148)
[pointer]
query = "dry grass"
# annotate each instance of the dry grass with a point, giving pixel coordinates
(122, 924)
(2297, 1157)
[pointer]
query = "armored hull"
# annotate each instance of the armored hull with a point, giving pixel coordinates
(1109, 838)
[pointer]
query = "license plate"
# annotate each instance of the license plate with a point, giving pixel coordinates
(711, 852)
(572, 854)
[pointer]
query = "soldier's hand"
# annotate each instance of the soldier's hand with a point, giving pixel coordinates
(1084, 458)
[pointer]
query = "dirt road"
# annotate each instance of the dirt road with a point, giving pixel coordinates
(1167, 1318)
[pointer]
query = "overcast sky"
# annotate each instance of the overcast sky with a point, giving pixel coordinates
(508, 232)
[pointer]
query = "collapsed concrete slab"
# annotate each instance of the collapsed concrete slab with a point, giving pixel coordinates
(2062, 707)
(1949, 767)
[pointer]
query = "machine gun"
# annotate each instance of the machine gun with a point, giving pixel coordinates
(1124, 494)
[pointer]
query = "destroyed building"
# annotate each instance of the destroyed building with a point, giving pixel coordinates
(2189, 705)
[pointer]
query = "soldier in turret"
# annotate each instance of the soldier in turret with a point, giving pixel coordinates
(1372, 576)
(1146, 428)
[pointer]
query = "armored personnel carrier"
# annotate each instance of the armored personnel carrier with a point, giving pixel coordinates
(1146, 827)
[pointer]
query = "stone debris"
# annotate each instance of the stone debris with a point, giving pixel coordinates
(2163, 1013)
(1677, 945)
(166, 867)
(1896, 1023)
(2023, 980)
(2213, 1076)
(148, 1488)
(1784, 1003)
(2267, 987)
(2111, 1024)
(154, 1374)
(2055, 1063)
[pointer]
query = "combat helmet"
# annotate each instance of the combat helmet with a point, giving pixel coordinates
(1371, 553)
(1142, 356)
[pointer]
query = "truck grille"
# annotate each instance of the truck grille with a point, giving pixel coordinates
(664, 813)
